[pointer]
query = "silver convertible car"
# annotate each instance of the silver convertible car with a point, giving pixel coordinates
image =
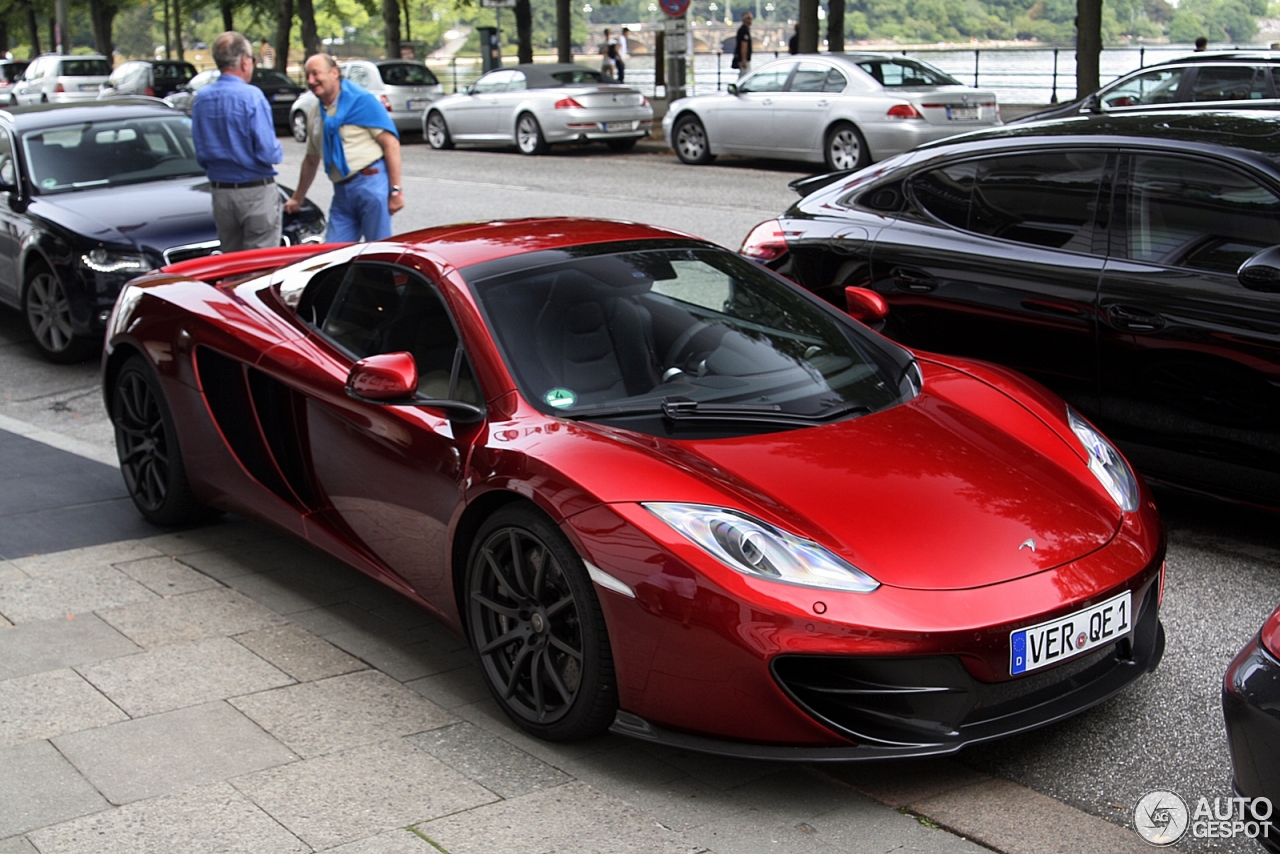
(845, 110)
(534, 106)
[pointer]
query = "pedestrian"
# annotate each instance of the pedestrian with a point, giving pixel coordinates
(351, 133)
(624, 53)
(267, 55)
(742, 47)
(1201, 43)
(236, 145)
(793, 44)
(609, 57)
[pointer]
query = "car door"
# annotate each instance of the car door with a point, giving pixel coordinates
(744, 123)
(801, 112)
(392, 475)
(13, 224)
(1192, 356)
(998, 257)
(473, 116)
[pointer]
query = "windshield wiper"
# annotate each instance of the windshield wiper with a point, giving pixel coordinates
(693, 411)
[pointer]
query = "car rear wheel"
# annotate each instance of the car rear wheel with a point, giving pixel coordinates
(437, 132)
(48, 313)
(845, 148)
(529, 138)
(534, 619)
(147, 445)
(298, 124)
(691, 141)
(621, 144)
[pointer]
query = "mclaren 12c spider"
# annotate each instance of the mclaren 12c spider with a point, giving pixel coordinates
(657, 488)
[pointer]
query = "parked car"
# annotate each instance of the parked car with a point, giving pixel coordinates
(10, 71)
(1251, 709)
(404, 87)
(1127, 262)
(1225, 80)
(535, 106)
(281, 92)
(153, 78)
(606, 454)
(99, 192)
(844, 110)
(54, 78)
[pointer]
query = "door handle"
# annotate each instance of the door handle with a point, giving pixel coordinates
(767, 101)
(1065, 309)
(1133, 319)
(913, 280)
(823, 102)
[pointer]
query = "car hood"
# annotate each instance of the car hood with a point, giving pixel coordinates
(959, 488)
(156, 216)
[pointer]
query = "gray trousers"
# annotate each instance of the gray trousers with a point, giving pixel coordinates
(248, 218)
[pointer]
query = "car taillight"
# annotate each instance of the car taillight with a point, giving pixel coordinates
(151, 92)
(765, 242)
(568, 104)
(59, 88)
(904, 111)
(1271, 633)
(386, 102)
(644, 102)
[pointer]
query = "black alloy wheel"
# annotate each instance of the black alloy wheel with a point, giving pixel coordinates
(147, 446)
(48, 313)
(535, 621)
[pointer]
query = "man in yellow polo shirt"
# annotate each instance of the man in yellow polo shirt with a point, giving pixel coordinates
(353, 135)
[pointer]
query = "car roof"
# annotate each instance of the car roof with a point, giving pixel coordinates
(37, 116)
(1205, 57)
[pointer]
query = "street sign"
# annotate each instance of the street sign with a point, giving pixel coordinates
(674, 8)
(676, 39)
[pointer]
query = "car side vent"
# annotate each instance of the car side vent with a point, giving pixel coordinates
(282, 413)
(226, 389)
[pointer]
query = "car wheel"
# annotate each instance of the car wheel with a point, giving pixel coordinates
(529, 138)
(534, 619)
(845, 148)
(147, 446)
(690, 139)
(437, 132)
(48, 313)
(44, 99)
(298, 124)
(621, 144)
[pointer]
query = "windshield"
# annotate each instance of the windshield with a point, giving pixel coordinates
(900, 72)
(662, 338)
(407, 74)
(109, 153)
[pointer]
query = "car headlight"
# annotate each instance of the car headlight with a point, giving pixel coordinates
(102, 261)
(760, 550)
(1106, 463)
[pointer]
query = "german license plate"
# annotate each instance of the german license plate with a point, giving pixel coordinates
(417, 105)
(284, 96)
(1066, 637)
(90, 87)
(962, 114)
(615, 126)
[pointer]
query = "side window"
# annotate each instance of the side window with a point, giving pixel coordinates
(1185, 212)
(518, 82)
(1153, 87)
(1230, 83)
(944, 193)
(809, 77)
(494, 81)
(835, 82)
(8, 173)
(770, 80)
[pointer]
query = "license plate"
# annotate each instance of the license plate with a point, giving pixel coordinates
(612, 126)
(284, 96)
(962, 114)
(1066, 637)
(90, 87)
(417, 105)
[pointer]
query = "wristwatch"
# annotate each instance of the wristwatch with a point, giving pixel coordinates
(395, 190)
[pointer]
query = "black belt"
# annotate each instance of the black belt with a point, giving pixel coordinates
(261, 182)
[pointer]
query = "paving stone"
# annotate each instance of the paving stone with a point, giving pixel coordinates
(50, 644)
(225, 534)
(486, 715)
(89, 557)
(39, 787)
(166, 576)
(208, 818)
(78, 591)
(173, 677)
(453, 688)
(283, 595)
(569, 818)
(397, 658)
(364, 791)
(299, 653)
(17, 845)
(270, 555)
(331, 618)
(402, 840)
(47, 704)
(207, 613)
(316, 718)
(10, 573)
(904, 781)
(165, 754)
(497, 765)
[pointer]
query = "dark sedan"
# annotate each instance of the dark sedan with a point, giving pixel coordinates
(99, 192)
(1130, 263)
(281, 92)
(1251, 707)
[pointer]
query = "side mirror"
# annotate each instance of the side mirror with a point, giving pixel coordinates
(1092, 104)
(865, 305)
(732, 88)
(384, 377)
(1262, 271)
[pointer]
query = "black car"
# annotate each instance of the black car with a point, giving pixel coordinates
(1130, 263)
(281, 92)
(1226, 80)
(100, 192)
(1251, 709)
(154, 78)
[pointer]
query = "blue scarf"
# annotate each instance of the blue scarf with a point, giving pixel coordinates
(355, 107)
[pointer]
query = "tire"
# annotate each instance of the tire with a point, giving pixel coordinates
(844, 148)
(529, 138)
(48, 314)
(147, 445)
(534, 620)
(298, 124)
(689, 139)
(436, 130)
(621, 144)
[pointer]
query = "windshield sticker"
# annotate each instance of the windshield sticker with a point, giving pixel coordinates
(49, 183)
(560, 398)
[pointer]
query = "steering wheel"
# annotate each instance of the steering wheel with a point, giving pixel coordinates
(682, 350)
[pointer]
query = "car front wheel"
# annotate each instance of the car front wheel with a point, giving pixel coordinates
(529, 138)
(48, 313)
(845, 148)
(437, 132)
(690, 139)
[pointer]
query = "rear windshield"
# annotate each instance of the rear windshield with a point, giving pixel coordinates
(84, 68)
(897, 72)
(180, 71)
(407, 74)
(577, 75)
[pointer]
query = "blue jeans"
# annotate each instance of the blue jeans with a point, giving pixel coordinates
(359, 209)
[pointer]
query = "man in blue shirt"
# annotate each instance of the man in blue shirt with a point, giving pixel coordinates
(236, 144)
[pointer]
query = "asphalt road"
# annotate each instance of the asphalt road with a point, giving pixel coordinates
(1224, 561)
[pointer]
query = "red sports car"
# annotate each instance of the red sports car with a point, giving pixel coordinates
(659, 489)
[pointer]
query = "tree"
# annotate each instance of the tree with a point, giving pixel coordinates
(524, 31)
(807, 26)
(564, 30)
(391, 19)
(1088, 46)
(835, 26)
(284, 27)
(102, 15)
(307, 20)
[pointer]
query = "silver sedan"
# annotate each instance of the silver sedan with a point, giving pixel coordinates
(844, 110)
(534, 106)
(404, 86)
